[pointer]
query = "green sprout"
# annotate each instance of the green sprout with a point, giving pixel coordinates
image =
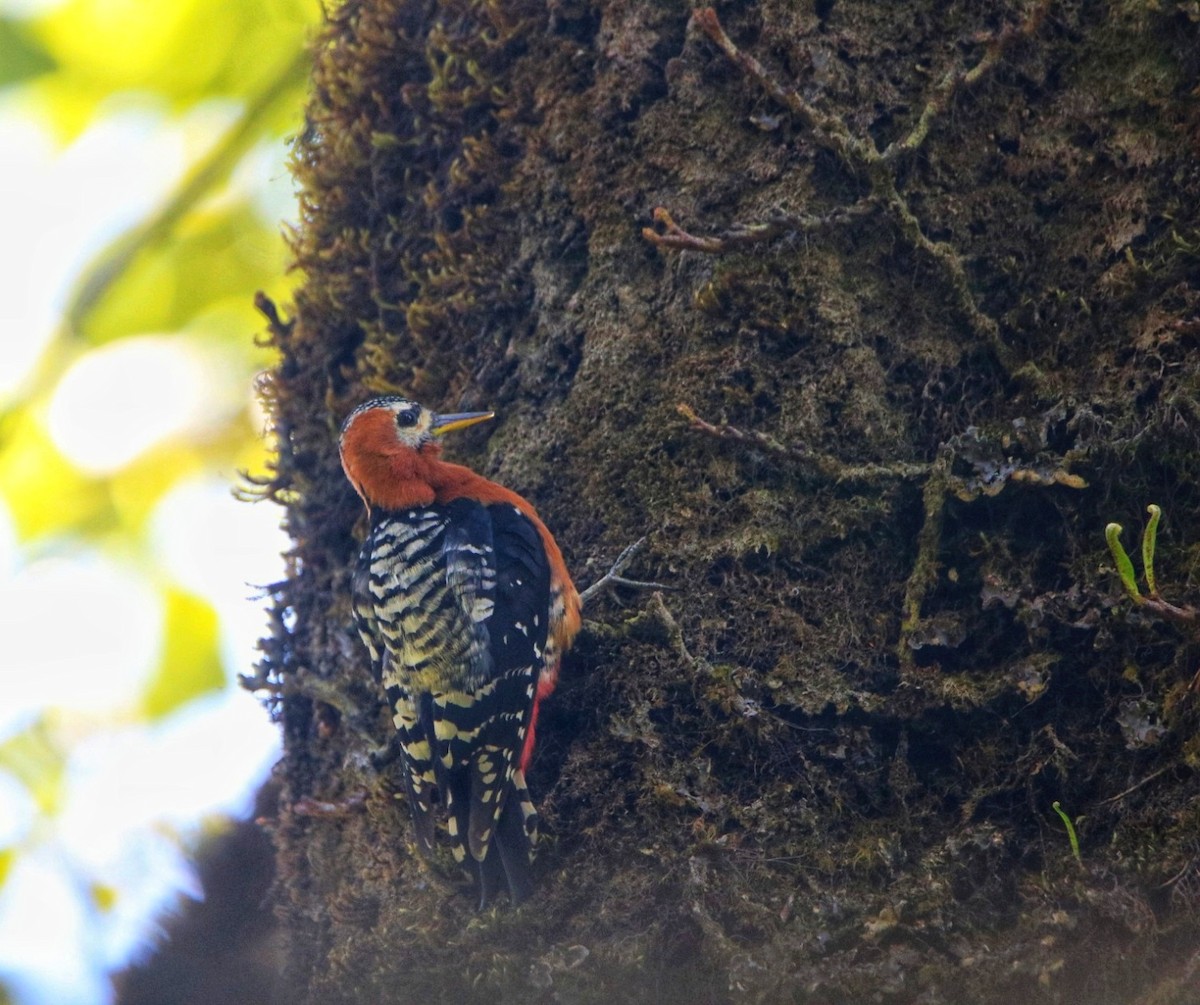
(1149, 537)
(1112, 534)
(1152, 599)
(1071, 835)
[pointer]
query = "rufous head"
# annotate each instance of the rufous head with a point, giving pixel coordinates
(385, 440)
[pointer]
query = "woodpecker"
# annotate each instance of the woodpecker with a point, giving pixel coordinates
(465, 606)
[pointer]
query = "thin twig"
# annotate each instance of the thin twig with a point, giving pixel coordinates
(674, 236)
(950, 260)
(939, 100)
(739, 235)
(614, 578)
(1187, 616)
(828, 466)
(310, 806)
(828, 130)
(1137, 785)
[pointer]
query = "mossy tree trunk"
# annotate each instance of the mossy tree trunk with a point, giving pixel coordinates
(922, 277)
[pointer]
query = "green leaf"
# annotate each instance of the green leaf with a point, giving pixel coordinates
(1149, 538)
(20, 55)
(1112, 534)
(219, 256)
(43, 492)
(191, 663)
(147, 238)
(1071, 835)
(188, 51)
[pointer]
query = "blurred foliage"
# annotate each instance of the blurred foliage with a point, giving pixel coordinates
(191, 665)
(187, 269)
(37, 762)
(33, 473)
(23, 57)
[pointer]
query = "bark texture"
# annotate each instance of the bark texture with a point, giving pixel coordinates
(923, 278)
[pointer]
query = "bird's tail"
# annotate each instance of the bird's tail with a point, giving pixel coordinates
(510, 852)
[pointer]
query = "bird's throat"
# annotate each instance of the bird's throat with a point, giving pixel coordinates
(393, 479)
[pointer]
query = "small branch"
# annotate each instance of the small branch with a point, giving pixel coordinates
(828, 130)
(938, 483)
(1188, 616)
(740, 235)
(1137, 785)
(727, 432)
(1187, 867)
(828, 466)
(939, 100)
(614, 578)
(674, 632)
(308, 806)
(674, 236)
(985, 328)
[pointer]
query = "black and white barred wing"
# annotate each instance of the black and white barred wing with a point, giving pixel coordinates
(513, 612)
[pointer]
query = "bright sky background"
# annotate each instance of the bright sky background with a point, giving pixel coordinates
(81, 622)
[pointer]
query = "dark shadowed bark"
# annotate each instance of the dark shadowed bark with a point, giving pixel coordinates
(871, 316)
(223, 948)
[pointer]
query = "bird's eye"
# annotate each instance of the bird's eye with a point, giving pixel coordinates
(407, 418)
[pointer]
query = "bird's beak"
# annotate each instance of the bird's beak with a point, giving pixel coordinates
(458, 420)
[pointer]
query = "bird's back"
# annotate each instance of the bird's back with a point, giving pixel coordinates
(453, 602)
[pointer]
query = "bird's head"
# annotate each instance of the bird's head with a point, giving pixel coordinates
(384, 425)
(388, 442)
